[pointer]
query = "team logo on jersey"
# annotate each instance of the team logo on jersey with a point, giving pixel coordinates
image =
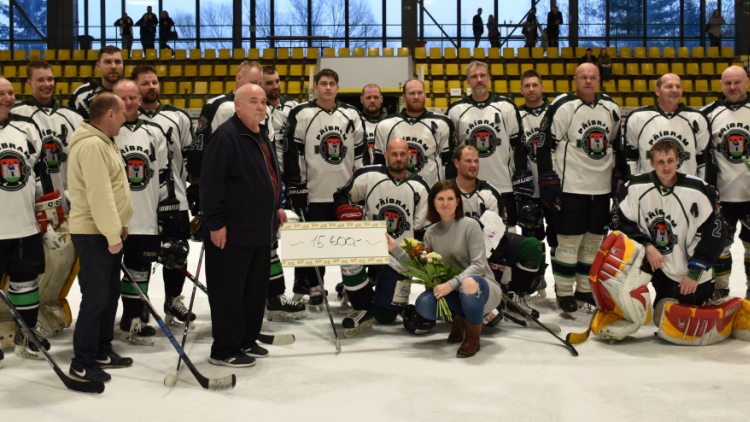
(532, 144)
(54, 155)
(332, 148)
(14, 173)
(395, 220)
(661, 233)
(735, 145)
(417, 159)
(484, 139)
(139, 171)
(594, 143)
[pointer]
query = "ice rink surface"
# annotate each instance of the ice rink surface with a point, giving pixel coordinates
(389, 374)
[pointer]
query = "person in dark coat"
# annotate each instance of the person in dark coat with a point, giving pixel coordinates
(478, 27)
(240, 196)
(554, 20)
(166, 28)
(148, 23)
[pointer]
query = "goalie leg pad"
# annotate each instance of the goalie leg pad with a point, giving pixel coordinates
(54, 285)
(564, 266)
(741, 325)
(586, 255)
(692, 325)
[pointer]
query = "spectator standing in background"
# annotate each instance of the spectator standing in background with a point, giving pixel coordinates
(148, 23)
(713, 29)
(126, 31)
(478, 27)
(554, 20)
(165, 30)
(605, 63)
(492, 32)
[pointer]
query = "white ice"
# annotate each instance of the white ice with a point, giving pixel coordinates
(389, 374)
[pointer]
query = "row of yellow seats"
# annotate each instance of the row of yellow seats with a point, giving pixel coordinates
(63, 88)
(220, 87)
(679, 68)
(570, 52)
(643, 101)
(640, 85)
(220, 70)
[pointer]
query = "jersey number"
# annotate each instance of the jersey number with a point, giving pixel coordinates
(717, 230)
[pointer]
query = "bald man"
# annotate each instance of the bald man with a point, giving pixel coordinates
(240, 194)
(670, 121)
(396, 194)
(730, 129)
(143, 145)
(581, 129)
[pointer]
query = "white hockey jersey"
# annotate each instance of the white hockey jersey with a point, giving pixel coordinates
(730, 130)
(179, 139)
(582, 136)
(81, 98)
(20, 153)
(682, 222)
(144, 147)
(278, 116)
(485, 197)
(57, 125)
(494, 127)
(431, 138)
(531, 119)
(370, 125)
(686, 128)
(401, 203)
(324, 148)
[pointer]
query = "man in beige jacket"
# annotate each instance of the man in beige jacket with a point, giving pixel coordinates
(100, 210)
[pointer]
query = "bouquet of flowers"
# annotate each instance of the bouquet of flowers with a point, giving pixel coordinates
(427, 268)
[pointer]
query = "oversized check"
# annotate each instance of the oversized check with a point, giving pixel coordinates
(333, 243)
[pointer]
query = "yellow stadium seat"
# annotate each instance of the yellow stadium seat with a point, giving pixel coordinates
(403, 51)
(493, 53)
(639, 85)
(97, 73)
(441, 102)
(185, 86)
(49, 55)
(716, 85)
(580, 51)
(201, 87)
(220, 70)
(512, 69)
(683, 100)
(420, 53)
(523, 53)
(633, 69)
(623, 85)
(436, 53)
(567, 53)
(519, 101)
(61, 55)
(282, 70)
(699, 52)
(253, 54)
(295, 70)
(436, 69)
(196, 103)
(165, 101)
(501, 87)
(631, 102)
(553, 53)
(678, 68)
(170, 88)
(10, 72)
(709, 100)
(195, 54)
(712, 52)
(450, 53)
(180, 54)
(562, 86)
(701, 85)
(293, 87)
(80, 55)
(422, 66)
(537, 53)
(721, 67)
(161, 70)
(542, 68)
(692, 69)
(464, 53)
(150, 54)
(438, 87)
(647, 68)
(652, 85)
(427, 88)
(298, 53)
(661, 68)
(647, 101)
(62, 88)
(626, 52)
(75, 85)
(230, 86)
(707, 68)
(206, 70)
(269, 54)
(174, 70)
(525, 67)
(428, 102)
(479, 53)
(93, 55)
(515, 86)
(570, 68)
(209, 54)
(237, 53)
(454, 84)
(668, 53)
(70, 71)
(358, 52)
(136, 55)
(190, 70)
(654, 52)
(557, 69)
(696, 101)
(451, 69)
(609, 85)
(17, 87)
(373, 52)
(611, 52)
(310, 69)
(687, 85)
(56, 70)
(179, 102)
(387, 51)
(84, 71)
(312, 53)
(727, 52)
(329, 52)
(640, 53)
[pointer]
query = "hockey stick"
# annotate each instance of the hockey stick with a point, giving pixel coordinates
(325, 297)
(578, 338)
(218, 384)
(171, 379)
(276, 340)
(90, 387)
(528, 315)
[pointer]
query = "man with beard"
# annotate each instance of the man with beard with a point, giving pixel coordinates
(278, 109)
(372, 113)
(431, 137)
(729, 119)
(492, 124)
(110, 65)
(405, 193)
(181, 140)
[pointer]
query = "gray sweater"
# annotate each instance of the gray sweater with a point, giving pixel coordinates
(461, 244)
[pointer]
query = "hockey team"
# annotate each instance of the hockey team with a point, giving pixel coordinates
(622, 202)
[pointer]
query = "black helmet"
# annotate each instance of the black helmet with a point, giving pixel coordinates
(529, 215)
(416, 323)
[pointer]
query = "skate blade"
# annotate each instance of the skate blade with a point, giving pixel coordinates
(586, 307)
(540, 294)
(285, 316)
(136, 341)
(28, 353)
(171, 320)
(299, 297)
(572, 315)
(353, 332)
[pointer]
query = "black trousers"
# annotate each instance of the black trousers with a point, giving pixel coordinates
(319, 211)
(237, 281)
(666, 287)
(477, 38)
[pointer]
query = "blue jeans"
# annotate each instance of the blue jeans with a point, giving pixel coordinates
(100, 292)
(470, 306)
(127, 43)
(386, 286)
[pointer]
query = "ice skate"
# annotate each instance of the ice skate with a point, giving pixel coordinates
(174, 309)
(282, 309)
(301, 289)
(541, 291)
(316, 298)
(135, 331)
(341, 295)
(357, 322)
(25, 347)
(585, 301)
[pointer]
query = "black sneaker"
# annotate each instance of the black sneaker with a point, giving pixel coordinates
(240, 360)
(255, 351)
(88, 372)
(113, 360)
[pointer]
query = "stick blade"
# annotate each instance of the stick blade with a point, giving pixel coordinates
(86, 387)
(338, 345)
(578, 338)
(222, 384)
(276, 340)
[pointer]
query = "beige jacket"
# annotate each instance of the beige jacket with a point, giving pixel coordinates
(97, 185)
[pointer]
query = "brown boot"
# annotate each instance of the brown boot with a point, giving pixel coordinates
(458, 326)
(470, 346)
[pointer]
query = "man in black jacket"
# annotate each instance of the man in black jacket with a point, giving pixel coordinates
(240, 194)
(148, 23)
(478, 27)
(554, 20)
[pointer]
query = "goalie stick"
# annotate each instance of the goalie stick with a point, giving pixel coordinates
(275, 340)
(217, 384)
(578, 338)
(89, 387)
(528, 315)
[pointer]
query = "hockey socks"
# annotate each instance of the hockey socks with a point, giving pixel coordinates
(134, 330)
(24, 295)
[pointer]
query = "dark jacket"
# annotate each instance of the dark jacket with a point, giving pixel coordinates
(148, 28)
(128, 28)
(165, 27)
(552, 27)
(477, 25)
(236, 190)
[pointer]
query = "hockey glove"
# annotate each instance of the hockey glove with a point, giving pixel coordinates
(173, 253)
(194, 198)
(173, 224)
(616, 179)
(523, 186)
(550, 192)
(49, 211)
(297, 195)
(348, 213)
